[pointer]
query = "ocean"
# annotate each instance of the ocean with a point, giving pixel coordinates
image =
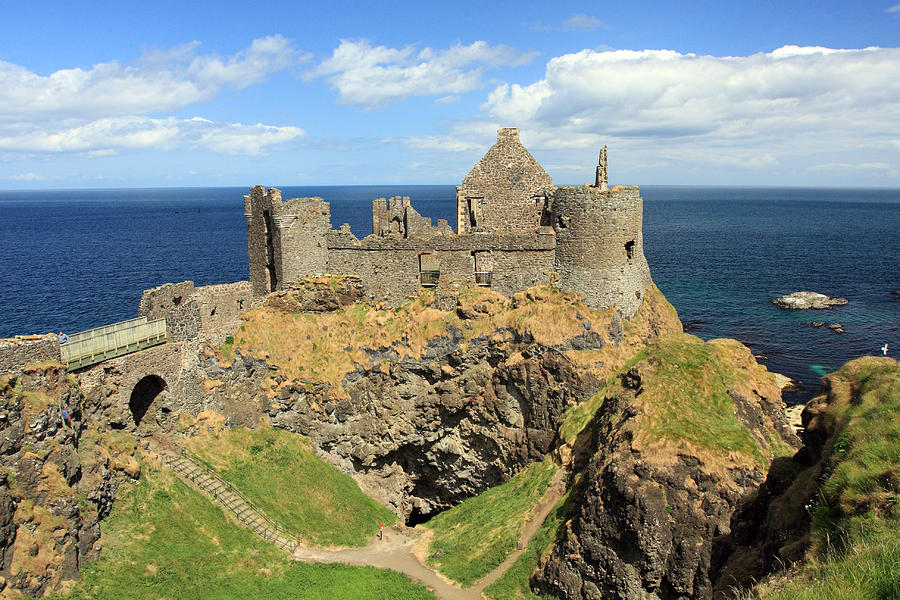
(75, 259)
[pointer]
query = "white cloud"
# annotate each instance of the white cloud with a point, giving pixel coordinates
(369, 76)
(162, 80)
(747, 110)
(894, 9)
(577, 22)
(103, 137)
(248, 139)
(26, 177)
(435, 142)
(582, 23)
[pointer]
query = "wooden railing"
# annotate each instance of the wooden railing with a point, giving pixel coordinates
(271, 531)
(102, 343)
(483, 278)
(429, 278)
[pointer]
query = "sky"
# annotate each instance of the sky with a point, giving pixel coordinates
(170, 94)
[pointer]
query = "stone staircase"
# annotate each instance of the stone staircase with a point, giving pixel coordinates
(192, 470)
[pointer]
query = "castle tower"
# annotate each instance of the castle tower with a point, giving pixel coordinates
(599, 243)
(505, 191)
(285, 240)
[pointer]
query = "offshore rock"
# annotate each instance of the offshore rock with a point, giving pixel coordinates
(808, 300)
(657, 495)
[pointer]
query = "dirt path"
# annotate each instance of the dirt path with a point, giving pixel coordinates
(555, 491)
(395, 551)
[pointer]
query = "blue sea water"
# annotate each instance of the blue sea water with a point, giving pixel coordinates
(75, 259)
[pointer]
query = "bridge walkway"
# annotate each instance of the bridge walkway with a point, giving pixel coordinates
(96, 345)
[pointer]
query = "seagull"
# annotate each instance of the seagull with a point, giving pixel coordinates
(884, 349)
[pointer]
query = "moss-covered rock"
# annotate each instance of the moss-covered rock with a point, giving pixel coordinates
(679, 442)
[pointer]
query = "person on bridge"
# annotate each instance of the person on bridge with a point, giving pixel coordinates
(63, 338)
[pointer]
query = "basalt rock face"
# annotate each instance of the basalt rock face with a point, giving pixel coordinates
(424, 421)
(652, 505)
(55, 483)
(423, 436)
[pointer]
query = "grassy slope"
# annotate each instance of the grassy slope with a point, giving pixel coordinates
(855, 533)
(513, 585)
(279, 471)
(685, 404)
(477, 535)
(166, 541)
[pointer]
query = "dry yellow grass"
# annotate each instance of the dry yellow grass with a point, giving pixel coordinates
(324, 347)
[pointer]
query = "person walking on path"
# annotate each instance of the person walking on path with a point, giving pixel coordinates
(381, 532)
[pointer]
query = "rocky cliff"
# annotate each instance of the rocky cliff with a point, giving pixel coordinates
(682, 440)
(836, 496)
(57, 478)
(426, 407)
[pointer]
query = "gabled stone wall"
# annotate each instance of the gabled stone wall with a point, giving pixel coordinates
(505, 191)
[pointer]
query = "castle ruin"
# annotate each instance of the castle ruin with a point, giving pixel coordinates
(514, 229)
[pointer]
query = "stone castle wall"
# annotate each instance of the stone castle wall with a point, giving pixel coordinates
(390, 267)
(21, 350)
(505, 191)
(600, 249)
(303, 223)
(209, 314)
(156, 302)
(514, 228)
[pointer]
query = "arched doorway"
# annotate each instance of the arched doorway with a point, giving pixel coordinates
(142, 396)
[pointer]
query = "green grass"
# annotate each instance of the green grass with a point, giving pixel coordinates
(867, 569)
(514, 584)
(279, 471)
(577, 418)
(855, 529)
(479, 534)
(164, 540)
(686, 397)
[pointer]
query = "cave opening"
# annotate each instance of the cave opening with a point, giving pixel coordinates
(142, 396)
(417, 517)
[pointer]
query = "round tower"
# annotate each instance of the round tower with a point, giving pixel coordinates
(599, 245)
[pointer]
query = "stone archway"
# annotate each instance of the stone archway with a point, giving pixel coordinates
(142, 396)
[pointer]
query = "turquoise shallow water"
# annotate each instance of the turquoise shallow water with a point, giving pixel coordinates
(71, 260)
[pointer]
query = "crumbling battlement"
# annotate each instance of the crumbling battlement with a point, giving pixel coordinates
(515, 229)
(21, 350)
(208, 313)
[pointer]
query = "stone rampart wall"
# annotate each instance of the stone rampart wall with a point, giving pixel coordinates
(21, 350)
(156, 302)
(261, 206)
(303, 223)
(600, 251)
(219, 309)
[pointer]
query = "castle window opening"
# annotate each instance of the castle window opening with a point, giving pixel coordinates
(629, 249)
(142, 396)
(472, 206)
(429, 269)
(270, 252)
(483, 268)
